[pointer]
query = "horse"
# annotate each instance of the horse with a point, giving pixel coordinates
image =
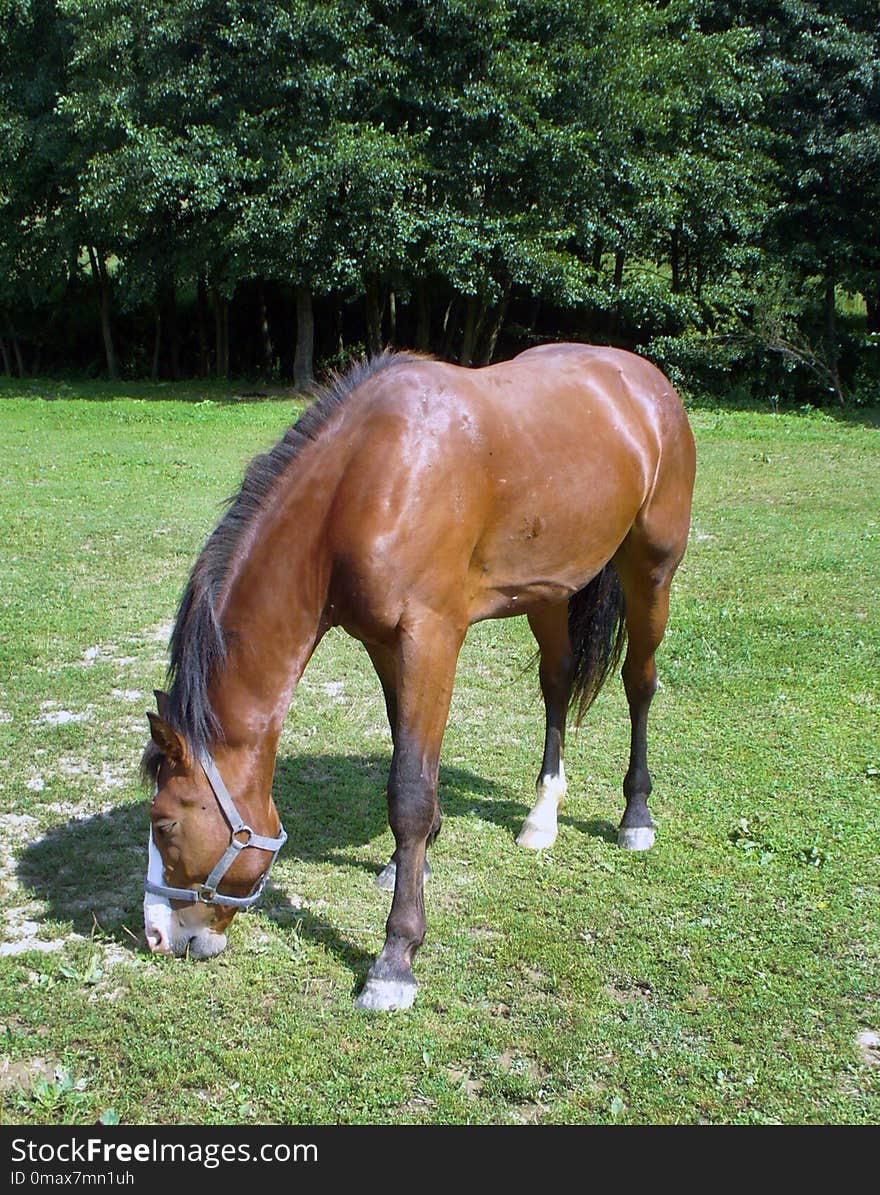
(411, 500)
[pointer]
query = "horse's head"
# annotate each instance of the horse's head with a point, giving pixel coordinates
(198, 836)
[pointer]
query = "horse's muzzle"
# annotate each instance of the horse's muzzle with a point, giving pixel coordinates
(167, 932)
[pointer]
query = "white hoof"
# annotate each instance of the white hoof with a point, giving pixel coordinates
(636, 838)
(536, 838)
(384, 995)
(387, 877)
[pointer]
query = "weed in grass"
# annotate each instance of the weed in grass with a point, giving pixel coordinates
(57, 1095)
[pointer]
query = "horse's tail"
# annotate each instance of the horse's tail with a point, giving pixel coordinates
(597, 631)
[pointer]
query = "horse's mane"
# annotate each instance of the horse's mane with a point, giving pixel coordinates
(197, 645)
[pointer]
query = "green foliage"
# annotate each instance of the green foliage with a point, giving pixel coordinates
(470, 177)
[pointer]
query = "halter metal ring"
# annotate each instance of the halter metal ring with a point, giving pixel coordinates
(242, 830)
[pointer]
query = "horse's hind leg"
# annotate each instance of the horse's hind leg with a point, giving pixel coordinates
(646, 576)
(385, 663)
(428, 652)
(550, 628)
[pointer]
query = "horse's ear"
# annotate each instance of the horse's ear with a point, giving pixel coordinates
(161, 702)
(172, 745)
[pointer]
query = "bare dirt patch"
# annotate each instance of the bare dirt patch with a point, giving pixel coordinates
(868, 1042)
(24, 1074)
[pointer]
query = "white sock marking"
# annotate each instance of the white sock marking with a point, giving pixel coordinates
(540, 827)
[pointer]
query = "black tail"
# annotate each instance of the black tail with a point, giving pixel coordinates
(597, 631)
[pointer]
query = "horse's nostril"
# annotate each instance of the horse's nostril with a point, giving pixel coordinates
(157, 942)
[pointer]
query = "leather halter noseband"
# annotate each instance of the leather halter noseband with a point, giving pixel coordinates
(207, 893)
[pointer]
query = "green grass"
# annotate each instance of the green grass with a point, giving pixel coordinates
(722, 977)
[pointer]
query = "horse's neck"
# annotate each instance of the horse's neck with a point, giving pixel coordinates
(272, 614)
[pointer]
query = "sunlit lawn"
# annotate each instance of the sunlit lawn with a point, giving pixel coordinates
(729, 975)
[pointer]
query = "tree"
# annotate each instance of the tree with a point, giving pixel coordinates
(245, 185)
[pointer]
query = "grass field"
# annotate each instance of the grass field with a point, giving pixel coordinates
(729, 975)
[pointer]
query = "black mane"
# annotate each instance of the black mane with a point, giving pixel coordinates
(197, 645)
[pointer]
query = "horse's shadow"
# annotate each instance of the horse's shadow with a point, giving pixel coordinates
(329, 805)
(333, 803)
(89, 872)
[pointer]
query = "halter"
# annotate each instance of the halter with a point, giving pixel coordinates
(207, 893)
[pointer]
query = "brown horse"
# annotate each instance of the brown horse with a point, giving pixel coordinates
(413, 499)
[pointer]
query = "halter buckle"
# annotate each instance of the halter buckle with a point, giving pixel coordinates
(205, 895)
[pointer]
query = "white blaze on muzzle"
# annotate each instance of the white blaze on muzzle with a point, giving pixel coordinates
(158, 913)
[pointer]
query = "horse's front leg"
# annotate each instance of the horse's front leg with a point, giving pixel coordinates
(385, 663)
(427, 655)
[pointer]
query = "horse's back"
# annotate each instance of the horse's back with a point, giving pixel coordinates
(571, 394)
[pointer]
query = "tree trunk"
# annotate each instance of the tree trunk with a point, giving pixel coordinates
(221, 334)
(16, 347)
(618, 269)
(218, 335)
(373, 311)
(173, 327)
(5, 355)
(106, 328)
(392, 318)
(202, 322)
(99, 274)
(266, 350)
(872, 303)
(225, 338)
(831, 333)
(303, 361)
(830, 317)
(450, 317)
(475, 313)
(598, 250)
(614, 314)
(157, 343)
(674, 259)
(19, 359)
(423, 324)
(339, 317)
(698, 272)
(495, 327)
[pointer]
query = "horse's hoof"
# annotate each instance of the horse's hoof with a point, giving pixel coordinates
(385, 995)
(635, 838)
(536, 838)
(388, 875)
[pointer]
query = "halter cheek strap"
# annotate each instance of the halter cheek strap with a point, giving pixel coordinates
(207, 893)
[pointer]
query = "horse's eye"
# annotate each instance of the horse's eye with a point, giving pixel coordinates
(165, 828)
